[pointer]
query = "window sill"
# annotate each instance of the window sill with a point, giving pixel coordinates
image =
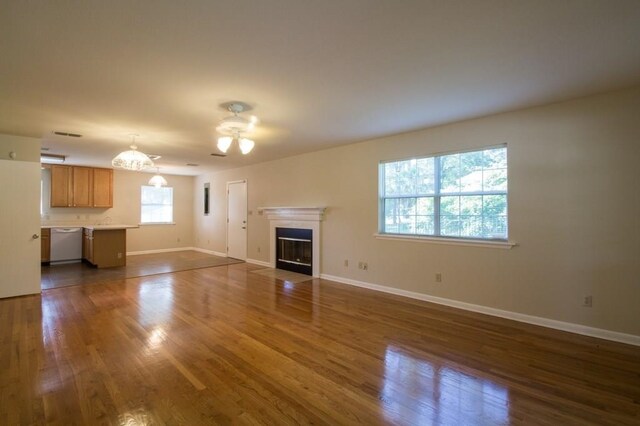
(156, 223)
(448, 241)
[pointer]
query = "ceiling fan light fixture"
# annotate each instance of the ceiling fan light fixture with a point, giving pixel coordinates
(246, 145)
(232, 128)
(224, 143)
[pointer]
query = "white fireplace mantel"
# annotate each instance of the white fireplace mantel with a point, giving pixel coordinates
(293, 213)
(295, 217)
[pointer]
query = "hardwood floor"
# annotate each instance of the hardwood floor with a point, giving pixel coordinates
(222, 345)
(64, 275)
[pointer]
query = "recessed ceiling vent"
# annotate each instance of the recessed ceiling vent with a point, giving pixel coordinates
(192, 165)
(215, 154)
(73, 135)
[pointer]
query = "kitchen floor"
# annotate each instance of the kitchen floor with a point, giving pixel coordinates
(70, 274)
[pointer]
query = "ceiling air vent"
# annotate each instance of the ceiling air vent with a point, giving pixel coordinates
(192, 165)
(215, 154)
(73, 135)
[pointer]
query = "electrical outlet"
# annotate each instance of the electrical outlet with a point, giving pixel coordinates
(438, 277)
(119, 255)
(365, 266)
(346, 263)
(178, 239)
(359, 265)
(587, 301)
(258, 249)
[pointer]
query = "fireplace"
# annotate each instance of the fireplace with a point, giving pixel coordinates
(294, 250)
(307, 219)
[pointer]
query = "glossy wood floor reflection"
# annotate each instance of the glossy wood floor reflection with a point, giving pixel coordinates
(225, 346)
(65, 275)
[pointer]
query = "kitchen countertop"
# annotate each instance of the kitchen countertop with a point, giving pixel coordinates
(92, 227)
(108, 227)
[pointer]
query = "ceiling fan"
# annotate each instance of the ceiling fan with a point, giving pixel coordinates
(234, 127)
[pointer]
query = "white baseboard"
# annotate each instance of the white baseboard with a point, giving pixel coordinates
(167, 250)
(259, 262)
(215, 253)
(530, 319)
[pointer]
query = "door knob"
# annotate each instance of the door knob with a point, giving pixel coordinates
(35, 236)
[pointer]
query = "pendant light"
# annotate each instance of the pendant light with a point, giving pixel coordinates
(132, 159)
(157, 180)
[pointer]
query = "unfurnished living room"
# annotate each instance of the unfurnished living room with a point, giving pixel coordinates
(333, 212)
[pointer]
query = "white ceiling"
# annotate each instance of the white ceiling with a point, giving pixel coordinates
(318, 74)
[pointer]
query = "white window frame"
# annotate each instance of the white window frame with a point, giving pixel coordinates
(437, 195)
(171, 222)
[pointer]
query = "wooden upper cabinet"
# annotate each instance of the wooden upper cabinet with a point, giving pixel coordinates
(102, 188)
(82, 187)
(61, 177)
(75, 186)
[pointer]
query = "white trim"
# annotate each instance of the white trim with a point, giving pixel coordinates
(259, 262)
(156, 223)
(615, 336)
(448, 241)
(215, 253)
(167, 250)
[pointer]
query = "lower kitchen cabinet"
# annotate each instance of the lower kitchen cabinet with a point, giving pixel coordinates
(105, 248)
(45, 245)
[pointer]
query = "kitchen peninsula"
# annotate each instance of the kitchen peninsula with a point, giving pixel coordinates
(103, 246)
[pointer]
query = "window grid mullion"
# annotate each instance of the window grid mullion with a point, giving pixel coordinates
(436, 196)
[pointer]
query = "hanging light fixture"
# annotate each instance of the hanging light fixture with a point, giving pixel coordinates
(234, 127)
(157, 180)
(132, 159)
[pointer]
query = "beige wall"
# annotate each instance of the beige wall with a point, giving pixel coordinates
(574, 210)
(126, 210)
(25, 149)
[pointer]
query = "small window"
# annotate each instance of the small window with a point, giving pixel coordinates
(156, 204)
(457, 195)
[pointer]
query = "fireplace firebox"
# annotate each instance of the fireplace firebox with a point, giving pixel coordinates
(294, 250)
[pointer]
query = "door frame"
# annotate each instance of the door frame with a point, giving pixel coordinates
(234, 182)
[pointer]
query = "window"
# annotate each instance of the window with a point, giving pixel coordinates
(156, 205)
(458, 195)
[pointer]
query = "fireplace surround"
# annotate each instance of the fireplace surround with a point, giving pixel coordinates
(305, 218)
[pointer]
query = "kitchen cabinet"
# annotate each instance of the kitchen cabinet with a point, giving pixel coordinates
(102, 188)
(45, 245)
(82, 185)
(76, 186)
(87, 245)
(105, 248)
(61, 186)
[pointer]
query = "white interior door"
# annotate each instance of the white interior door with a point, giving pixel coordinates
(19, 228)
(237, 220)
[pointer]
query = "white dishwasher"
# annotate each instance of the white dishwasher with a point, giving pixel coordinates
(66, 244)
